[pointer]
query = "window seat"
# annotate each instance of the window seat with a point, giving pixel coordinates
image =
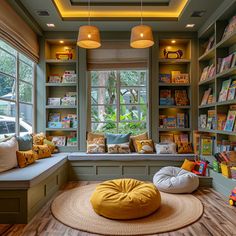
(23, 191)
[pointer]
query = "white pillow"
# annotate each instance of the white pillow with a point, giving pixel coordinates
(8, 159)
(166, 148)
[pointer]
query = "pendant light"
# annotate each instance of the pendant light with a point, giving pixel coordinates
(89, 36)
(141, 35)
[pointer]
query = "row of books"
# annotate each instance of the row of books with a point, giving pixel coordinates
(208, 97)
(227, 122)
(178, 121)
(228, 90)
(69, 76)
(230, 28)
(176, 138)
(208, 121)
(225, 145)
(176, 77)
(68, 100)
(209, 44)
(61, 141)
(56, 120)
(208, 72)
(180, 97)
(226, 63)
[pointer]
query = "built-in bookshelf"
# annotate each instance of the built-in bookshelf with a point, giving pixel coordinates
(217, 73)
(61, 89)
(174, 89)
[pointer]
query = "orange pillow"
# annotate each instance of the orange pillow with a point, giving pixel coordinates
(133, 144)
(188, 165)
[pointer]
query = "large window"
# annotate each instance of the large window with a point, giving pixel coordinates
(119, 101)
(16, 92)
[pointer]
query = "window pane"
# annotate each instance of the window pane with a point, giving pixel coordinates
(103, 96)
(132, 127)
(7, 118)
(109, 127)
(25, 91)
(143, 96)
(103, 78)
(103, 113)
(25, 72)
(133, 78)
(7, 63)
(7, 48)
(7, 87)
(26, 118)
(26, 60)
(129, 112)
(129, 95)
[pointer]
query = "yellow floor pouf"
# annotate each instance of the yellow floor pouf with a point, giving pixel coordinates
(125, 199)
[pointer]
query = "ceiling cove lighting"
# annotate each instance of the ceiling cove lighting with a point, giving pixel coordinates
(50, 25)
(141, 35)
(190, 25)
(89, 36)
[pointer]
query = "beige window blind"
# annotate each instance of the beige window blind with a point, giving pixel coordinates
(15, 31)
(117, 55)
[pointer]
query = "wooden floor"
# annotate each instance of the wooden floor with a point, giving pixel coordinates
(219, 219)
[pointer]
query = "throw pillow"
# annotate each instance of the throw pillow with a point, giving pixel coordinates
(8, 159)
(188, 165)
(145, 146)
(50, 144)
(38, 138)
(118, 143)
(97, 145)
(166, 148)
(25, 158)
(133, 145)
(42, 151)
(25, 142)
(91, 136)
(184, 148)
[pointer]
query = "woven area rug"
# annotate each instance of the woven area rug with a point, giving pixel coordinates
(73, 209)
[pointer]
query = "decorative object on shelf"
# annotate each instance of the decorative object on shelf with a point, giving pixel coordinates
(65, 55)
(69, 76)
(89, 36)
(141, 35)
(178, 54)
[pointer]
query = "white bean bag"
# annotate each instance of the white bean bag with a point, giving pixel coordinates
(175, 180)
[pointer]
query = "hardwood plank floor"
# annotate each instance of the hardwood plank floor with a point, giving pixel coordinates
(219, 219)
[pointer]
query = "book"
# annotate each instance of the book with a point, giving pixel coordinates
(224, 90)
(210, 119)
(231, 93)
(54, 117)
(71, 141)
(68, 101)
(162, 120)
(221, 119)
(182, 79)
(206, 146)
(230, 28)
(181, 138)
(229, 124)
(55, 78)
(54, 101)
(203, 121)
(171, 122)
(204, 73)
(165, 78)
(233, 63)
(181, 121)
(226, 63)
(181, 97)
(210, 43)
(59, 140)
(212, 71)
(71, 94)
(205, 96)
(166, 138)
(165, 97)
(174, 74)
(55, 124)
(69, 77)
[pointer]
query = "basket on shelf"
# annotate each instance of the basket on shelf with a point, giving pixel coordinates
(233, 172)
(226, 168)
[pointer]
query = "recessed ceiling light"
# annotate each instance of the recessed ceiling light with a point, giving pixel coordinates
(61, 41)
(190, 25)
(173, 41)
(50, 25)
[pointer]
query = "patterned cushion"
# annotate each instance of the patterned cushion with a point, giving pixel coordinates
(91, 136)
(117, 138)
(42, 151)
(97, 145)
(25, 142)
(38, 138)
(166, 148)
(50, 145)
(118, 148)
(25, 158)
(145, 146)
(133, 139)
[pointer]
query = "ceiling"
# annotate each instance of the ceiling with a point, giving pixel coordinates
(118, 15)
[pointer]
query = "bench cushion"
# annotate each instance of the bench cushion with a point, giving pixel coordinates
(23, 178)
(81, 156)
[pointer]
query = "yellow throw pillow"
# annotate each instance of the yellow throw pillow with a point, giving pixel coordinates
(188, 165)
(38, 138)
(42, 151)
(133, 145)
(50, 145)
(145, 146)
(25, 158)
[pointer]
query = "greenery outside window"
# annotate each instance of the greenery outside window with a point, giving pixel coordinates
(119, 101)
(16, 92)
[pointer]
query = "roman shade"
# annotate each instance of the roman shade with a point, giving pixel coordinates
(15, 31)
(117, 55)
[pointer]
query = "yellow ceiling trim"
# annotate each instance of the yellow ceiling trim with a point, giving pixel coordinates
(174, 10)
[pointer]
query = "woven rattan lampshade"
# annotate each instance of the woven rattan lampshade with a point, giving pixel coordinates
(89, 37)
(141, 37)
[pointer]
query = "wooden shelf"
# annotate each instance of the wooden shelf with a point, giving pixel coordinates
(229, 102)
(174, 106)
(60, 107)
(173, 85)
(207, 81)
(60, 62)
(207, 105)
(174, 61)
(207, 55)
(174, 129)
(231, 71)
(60, 84)
(227, 41)
(226, 132)
(207, 130)
(61, 129)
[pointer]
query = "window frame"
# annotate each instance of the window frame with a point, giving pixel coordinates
(118, 104)
(17, 80)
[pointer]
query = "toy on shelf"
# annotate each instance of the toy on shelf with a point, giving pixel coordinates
(178, 53)
(232, 198)
(65, 55)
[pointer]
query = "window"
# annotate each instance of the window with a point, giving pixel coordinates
(119, 101)
(16, 91)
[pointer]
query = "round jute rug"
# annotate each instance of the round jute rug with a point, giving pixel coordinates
(73, 209)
